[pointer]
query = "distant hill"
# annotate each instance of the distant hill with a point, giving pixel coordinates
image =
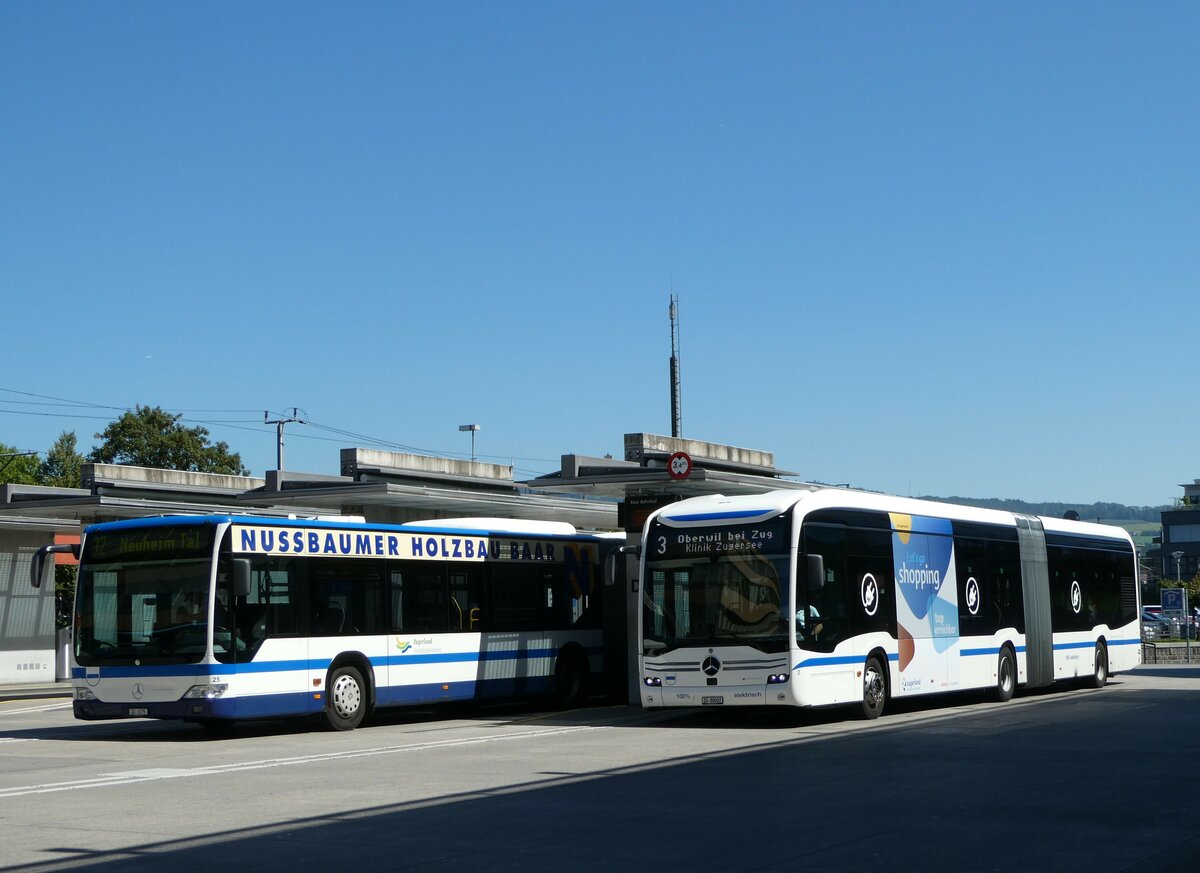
(1111, 512)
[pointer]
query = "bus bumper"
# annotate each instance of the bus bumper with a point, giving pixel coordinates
(729, 695)
(98, 710)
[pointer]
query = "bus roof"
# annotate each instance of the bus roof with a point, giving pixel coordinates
(760, 507)
(497, 525)
(503, 526)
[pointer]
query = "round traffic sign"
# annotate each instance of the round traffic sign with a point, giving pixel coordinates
(679, 465)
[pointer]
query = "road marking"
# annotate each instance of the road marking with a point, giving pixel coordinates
(52, 707)
(133, 777)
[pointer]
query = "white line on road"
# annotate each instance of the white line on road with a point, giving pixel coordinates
(50, 707)
(135, 776)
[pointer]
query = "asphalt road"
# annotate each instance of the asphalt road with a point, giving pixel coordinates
(1070, 779)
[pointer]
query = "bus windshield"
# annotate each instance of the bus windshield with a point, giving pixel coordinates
(142, 596)
(713, 586)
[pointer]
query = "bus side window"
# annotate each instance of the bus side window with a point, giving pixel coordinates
(396, 595)
(416, 601)
(979, 611)
(272, 594)
(518, 598)
(425, 598)
(466, 596)
(347, 597)
(580, 575)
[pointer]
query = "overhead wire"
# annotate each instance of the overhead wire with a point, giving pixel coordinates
(250, 425)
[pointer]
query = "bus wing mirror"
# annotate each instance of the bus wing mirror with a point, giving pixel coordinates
(610, 562)
(38, 566)
(815, 570)
(241, 577)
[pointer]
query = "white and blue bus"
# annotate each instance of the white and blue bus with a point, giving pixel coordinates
(213, 619)
(825, 597)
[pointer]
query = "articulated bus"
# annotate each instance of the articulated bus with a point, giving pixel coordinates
(212, 619)
(817, 598)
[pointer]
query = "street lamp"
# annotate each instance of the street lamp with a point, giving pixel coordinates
(474, 427)
(1187, 633)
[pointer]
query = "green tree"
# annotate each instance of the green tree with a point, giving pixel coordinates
(65, 578)
(1192, 587)
(16, 467)
(62, 465)
(152, 437)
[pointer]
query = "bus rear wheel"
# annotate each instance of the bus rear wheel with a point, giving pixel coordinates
(1006, 676)
(874, 689)
(570, 680)
(345, 699)
(1099, 677)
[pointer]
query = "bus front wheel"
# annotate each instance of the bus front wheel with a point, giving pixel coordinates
(874, 689)
(345, 699)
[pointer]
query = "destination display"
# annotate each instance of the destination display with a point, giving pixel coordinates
(174, 541)
(766, 538)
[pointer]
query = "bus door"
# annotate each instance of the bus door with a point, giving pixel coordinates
(347, 617)
(855, 601)
(265, 632)
(419, 613)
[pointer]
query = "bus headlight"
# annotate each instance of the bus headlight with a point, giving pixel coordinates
(652, 682)
(211, 691)
(777, 678)
(84, 694)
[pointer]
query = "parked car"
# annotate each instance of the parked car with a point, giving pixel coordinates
(1154, 627)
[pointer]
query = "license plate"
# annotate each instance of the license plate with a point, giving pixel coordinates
(138, 710)
(711, 701)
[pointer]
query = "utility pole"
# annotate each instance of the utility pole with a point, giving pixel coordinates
(279, 423)
(676, 420)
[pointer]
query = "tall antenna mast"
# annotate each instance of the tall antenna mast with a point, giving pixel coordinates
(676, 423)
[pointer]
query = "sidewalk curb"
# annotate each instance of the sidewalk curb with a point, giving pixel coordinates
(34, 692)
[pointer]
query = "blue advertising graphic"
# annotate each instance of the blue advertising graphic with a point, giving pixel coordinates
(927, 605)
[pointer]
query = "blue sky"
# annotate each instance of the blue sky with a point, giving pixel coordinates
(938, 248)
